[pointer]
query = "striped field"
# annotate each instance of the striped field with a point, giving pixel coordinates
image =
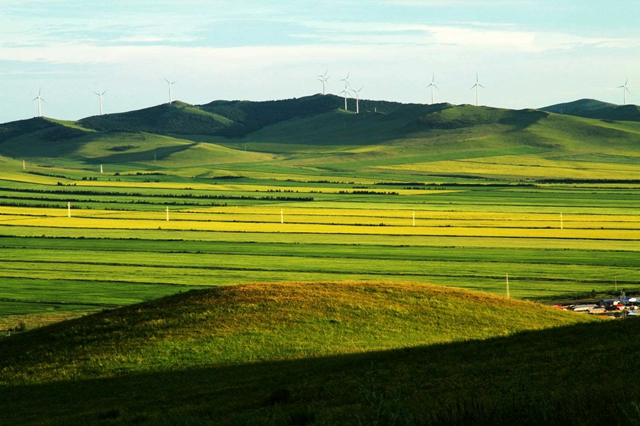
(118, 248)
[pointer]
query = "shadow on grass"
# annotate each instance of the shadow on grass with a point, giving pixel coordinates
(582, 374)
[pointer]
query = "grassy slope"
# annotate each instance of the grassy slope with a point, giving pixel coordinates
(445, 139)
(580, 374)
(310, 136)
(216, 332)
(121, 148)
(177, 117)
(591, 108)
(579, 106)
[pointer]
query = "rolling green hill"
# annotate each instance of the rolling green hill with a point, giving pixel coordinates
(222, 118)
(312, 135)
(264, 354)
(578, 107)
(591, 108)
(178, 117)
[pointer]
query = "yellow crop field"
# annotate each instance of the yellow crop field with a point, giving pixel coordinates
(145, 221)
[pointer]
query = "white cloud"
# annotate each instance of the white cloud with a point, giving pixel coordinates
(140, 39)
(474, 36)
(356, 38)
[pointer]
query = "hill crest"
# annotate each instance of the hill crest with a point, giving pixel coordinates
(592, 108)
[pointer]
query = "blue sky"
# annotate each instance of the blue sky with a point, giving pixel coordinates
(527, 53)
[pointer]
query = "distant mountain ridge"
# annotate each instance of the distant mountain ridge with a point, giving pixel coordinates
(384, 134)
(592, 108)
(224, 118)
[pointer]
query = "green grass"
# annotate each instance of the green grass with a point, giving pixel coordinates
(310, 136)
(591, 108)
(457, 241)
(218, 333)
(348, 353)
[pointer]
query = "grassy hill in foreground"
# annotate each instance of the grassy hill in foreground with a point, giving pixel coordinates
(312, 353)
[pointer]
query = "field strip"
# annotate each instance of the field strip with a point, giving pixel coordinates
(144, 224)
(202, 267)
(122, 235)
(59, 302)
(85, 254)
(421, 222)
(273, 212)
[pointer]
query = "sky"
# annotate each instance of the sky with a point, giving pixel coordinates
(527, 53)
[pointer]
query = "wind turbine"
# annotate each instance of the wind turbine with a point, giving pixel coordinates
(432, 85)
(476, 86)
(39, 98)
(324, 78)
(357, 92)
(624, 91)
(100, 96)
(170, 83)
(346, 90)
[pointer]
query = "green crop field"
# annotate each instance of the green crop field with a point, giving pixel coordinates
(118, 248)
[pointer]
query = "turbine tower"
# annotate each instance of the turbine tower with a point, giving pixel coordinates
(324, 78)
(100, 96)
(39, 99)
(357, 92)
(477, 86)
(346, 90)
(432, 85)
(170, 83)
(624, 91)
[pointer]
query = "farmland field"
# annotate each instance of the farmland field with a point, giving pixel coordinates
(117, 247)
(441, 194)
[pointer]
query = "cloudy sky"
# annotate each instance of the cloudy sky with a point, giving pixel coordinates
(528, 53)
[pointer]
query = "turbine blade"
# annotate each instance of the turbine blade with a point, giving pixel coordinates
(167, 81)
(34, 99)
(474, 86)
(436, 87)
(96, 93)
(175, 82)
(481, 86)
(361, 88)
(103, 92)
(628, 91)
(43, 100)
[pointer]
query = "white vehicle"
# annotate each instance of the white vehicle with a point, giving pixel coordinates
(584, 308)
